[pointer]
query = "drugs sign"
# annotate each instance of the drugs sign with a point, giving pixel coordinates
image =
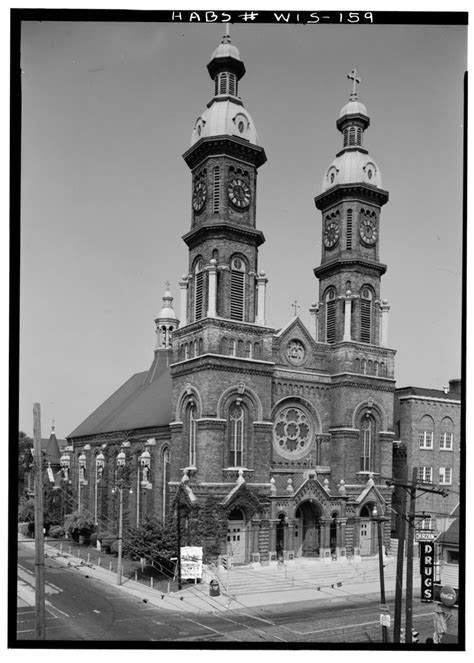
(427, 570)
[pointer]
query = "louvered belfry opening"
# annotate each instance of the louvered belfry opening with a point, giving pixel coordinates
(237, 289)
(331, 317)
(349, 230)
(200, 292)
(366, 316)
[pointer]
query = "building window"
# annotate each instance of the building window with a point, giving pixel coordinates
(236, 425)
(349, 230)
(237, 289)
(446, 437)
(445, 475)
(331, 316)
(427, 523)
(367, 444)
(216, 190)
(446, 442)
(366, 316)
(452, 556)
(425, 475)
(426, 433)
(192, 435)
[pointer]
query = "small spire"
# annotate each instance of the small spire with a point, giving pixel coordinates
(355, 80)
(226, 37)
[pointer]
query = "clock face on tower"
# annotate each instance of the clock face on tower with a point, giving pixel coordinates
(331, 234)
(199, 196)
(239, 193)
(368, 231)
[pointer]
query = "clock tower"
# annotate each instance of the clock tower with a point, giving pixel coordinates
(350, 307)
(223, 240)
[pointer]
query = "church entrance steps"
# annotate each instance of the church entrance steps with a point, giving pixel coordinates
(304, 573)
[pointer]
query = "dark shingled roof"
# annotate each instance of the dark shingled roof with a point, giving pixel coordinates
(451, 535)
(428, 393)
(144, 401)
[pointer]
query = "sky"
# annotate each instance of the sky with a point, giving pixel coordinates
(107, 112)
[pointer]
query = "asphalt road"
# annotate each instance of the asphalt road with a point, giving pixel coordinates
(84, 609)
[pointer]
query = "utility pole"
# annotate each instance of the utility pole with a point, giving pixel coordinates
(379, 519)
(411, 536)
(120, 535)
(412, 489)
(178, 508)
(400, 553)
(39, 533)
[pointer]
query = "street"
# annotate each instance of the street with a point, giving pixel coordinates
(80, 608)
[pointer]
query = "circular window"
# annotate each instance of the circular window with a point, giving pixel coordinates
(369, 174)
(292, 432)
(237, 264)
(241, 127)
(295, 352)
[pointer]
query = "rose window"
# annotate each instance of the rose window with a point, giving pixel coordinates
(292, 432)
(295, 352)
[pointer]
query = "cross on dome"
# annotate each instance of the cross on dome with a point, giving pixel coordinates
(355, 80)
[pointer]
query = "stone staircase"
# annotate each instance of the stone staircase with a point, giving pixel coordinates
(306, 575)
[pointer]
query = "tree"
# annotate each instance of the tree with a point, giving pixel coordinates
(25, 459)
(79, 523)
(154, 541)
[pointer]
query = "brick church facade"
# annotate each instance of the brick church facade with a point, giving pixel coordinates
(290, 429)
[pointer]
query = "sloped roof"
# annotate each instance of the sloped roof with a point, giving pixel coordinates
(143, 401)
(451, 536)
(50, 448)
(427, 393)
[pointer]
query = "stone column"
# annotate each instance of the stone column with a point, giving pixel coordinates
(357, 537)
(314, 312)
(347, 316)
(341, 539)
(384, 309)
(183, 284)
(212, 299)
(261, 291)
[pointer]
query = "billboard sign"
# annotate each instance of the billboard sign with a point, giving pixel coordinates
(191, 563)
(427, 571)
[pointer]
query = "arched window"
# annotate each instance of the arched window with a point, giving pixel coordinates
(223, 82)
(331, 316)
(165, 477)
(248, 350)
(191, 429)
(236, 434)
(446, 440)
(237, 289)
(367, 443)
(216, 189)
(256, 350)
(200, 291)
(240, 348)
(232, 346)
(426, 432)
(366, 315)
(224, 346)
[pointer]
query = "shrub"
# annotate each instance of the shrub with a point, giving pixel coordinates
(56, 531)
(79, 523)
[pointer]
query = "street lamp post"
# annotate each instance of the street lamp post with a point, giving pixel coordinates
(82, 460)
(379, 519)
(99, 469)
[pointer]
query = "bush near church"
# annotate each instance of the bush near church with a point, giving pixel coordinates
(79, 525)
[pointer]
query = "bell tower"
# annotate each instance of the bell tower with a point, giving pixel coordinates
(223, 240)
(350, 306)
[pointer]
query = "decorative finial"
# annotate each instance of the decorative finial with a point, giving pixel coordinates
(167, 285)
(240, 478)
(52, 426)
(289, 487)
(226, 37)
(272, 486)
(355, 80)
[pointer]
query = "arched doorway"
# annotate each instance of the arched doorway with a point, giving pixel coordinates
(367, 533)
(236, 538)
(308, 529)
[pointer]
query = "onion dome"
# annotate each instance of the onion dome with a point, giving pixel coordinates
(353, 164)
(167, 312)
(225, 114)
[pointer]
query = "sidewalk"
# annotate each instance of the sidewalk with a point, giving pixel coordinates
(253, 586)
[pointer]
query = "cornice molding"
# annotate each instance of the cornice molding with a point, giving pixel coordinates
(339, 264)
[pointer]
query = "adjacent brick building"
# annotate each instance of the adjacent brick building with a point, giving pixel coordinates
(291, 429)
(428, 424)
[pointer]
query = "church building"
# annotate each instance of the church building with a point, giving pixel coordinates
(290, 429)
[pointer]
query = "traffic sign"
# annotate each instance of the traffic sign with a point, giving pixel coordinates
(425, 535)
(384, 619)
